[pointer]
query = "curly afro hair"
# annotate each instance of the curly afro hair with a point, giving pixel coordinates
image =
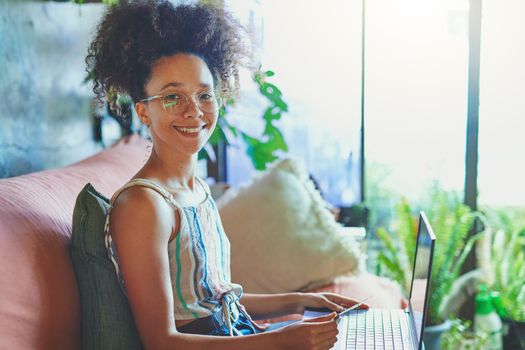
(134, 34)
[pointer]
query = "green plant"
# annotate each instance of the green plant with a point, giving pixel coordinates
(396, 259)
(461, 336)
(504, 218)
(501, 258)
(381, 196)
(451, 221)
(106, 2)
(261, 150)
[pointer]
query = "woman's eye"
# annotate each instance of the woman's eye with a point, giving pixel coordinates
(206, 97)
(171, 100)
(172, 97)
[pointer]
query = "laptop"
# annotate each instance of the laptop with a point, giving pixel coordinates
(395, 328)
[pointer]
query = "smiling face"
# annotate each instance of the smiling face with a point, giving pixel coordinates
(182, 127)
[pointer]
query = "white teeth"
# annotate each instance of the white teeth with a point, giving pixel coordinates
(189, 130)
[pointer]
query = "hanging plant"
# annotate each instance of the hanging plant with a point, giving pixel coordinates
(261, 150)
(106, 2)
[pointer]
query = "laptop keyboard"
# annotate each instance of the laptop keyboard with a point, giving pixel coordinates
(378, 329)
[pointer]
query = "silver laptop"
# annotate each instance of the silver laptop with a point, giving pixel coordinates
(394, 328)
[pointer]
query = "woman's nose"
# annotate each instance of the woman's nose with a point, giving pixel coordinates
(193, 109)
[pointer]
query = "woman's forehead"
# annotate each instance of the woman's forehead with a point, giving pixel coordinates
(180, 71)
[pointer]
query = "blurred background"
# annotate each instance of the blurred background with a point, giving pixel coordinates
(389, 104)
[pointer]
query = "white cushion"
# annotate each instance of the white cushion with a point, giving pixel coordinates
(283, 236)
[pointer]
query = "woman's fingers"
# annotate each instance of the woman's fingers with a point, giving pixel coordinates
(404, 303)
(344, 301)
(323, 318)
(325, 342)
(334, 306)
(314, 334)
(325, 329)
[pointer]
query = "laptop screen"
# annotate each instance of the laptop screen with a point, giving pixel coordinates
(421, 274)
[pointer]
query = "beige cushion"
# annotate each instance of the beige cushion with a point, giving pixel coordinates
(283, 236)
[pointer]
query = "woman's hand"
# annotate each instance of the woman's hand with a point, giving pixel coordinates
(318, 333)
(332, 301)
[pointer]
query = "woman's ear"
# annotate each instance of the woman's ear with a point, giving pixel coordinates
(140, 108)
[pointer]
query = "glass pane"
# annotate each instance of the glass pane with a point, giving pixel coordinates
(316, 55)
(415, 100)
(502, 111)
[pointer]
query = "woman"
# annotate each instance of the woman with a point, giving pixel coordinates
(163, 232)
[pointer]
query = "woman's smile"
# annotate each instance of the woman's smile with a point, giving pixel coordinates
(183, 112)
(191, 131)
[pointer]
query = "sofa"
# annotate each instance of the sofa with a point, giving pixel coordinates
(39, 298)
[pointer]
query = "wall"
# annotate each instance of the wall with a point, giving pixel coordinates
(45, 115)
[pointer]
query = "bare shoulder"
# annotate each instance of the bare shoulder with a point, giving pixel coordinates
(204, 184)
(141, 211)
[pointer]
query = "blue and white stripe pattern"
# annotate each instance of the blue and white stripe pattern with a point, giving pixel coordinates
(199, 256)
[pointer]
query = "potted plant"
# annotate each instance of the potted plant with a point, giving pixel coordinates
(263, 149)
(501, 259)
(461, 336)
(451, 221)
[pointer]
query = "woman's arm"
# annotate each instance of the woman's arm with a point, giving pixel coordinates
(261, 306)
(141, 225)
(314, 334)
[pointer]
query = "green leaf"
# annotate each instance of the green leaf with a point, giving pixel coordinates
(281, 104)
(207, 152)
(251, 141)
(407, 233)
(271, 114)
(264, 149)
(397, 271)
(233, 130)
(456, 269)
(216, 136)
(260, 153)
(452, 221)
(111, 2)
(260, 158)
(275, 138)
(392, 267)
(271, 91)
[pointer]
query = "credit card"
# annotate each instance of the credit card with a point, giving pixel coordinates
(345, 311)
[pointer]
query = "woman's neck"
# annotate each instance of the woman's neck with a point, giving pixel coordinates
(175, 170)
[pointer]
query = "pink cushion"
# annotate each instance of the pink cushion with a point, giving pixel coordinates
(39, 303)
(385, 293)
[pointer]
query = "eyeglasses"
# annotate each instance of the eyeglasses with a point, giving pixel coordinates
(176, 103)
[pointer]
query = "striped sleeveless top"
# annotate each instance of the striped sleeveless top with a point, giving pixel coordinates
(199, 256)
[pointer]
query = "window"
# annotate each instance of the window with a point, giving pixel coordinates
(415, 100)
(502, 111)
(315, 50)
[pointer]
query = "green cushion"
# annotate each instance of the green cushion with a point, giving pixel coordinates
(107, 321)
